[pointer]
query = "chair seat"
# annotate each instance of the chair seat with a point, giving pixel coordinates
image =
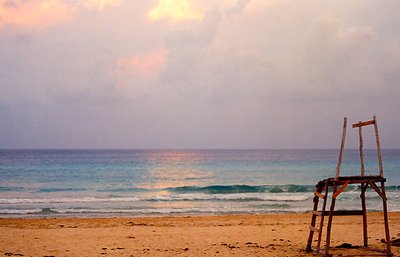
(352, 180)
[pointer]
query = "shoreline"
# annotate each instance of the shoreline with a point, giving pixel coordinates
(185, 235)
(144, 216)
(156, 215)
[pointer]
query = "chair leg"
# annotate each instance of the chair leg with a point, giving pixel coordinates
(311, 234)
(364, 209)
(385, 216)
(322, 216)
(329, 226)
(313, 220)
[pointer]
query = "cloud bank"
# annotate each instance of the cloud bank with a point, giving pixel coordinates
(196, 74)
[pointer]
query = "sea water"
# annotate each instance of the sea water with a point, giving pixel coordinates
(172, 182)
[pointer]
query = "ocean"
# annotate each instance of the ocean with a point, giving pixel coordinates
(42, 183)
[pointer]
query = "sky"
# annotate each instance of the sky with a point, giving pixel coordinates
(203, 74)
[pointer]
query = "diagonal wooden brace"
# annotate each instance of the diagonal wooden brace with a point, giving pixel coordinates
(376, 188)
(340, 190)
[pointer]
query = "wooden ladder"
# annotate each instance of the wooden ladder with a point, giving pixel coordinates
(322, 186)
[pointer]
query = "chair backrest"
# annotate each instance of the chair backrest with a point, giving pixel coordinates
(360, 125)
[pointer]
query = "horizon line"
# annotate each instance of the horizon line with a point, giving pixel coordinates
(192, 149)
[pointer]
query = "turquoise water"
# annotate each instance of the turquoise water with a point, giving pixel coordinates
(167, 182)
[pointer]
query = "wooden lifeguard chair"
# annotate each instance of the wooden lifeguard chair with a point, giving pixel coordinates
(338, 184)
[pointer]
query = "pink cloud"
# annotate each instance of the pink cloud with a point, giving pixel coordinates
(139, 71)
(34, 14)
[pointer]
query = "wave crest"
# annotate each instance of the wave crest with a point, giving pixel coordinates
(236, 189)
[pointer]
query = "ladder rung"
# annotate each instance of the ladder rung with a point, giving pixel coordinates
(318, 213)
(319, 195)
(314, 229)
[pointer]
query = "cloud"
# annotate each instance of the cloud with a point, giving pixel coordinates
(239, 73)
(238, 7)
(254, 6)
(191, 56)
(336, 61)
(99, 5)
(137, 74)
(34, 14)
(332, 35)
(390, 64)
(174, 10)
(42, 14)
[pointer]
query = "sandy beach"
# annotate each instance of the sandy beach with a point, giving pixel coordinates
(232, 235)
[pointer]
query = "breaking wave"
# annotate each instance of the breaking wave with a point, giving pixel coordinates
(232, 189)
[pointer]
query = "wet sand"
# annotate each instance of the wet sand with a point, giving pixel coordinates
(231, 235)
